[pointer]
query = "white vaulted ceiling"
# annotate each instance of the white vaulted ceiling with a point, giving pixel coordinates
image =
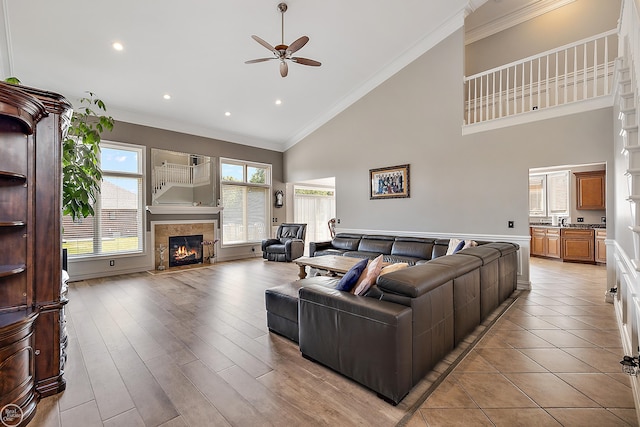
(194, 50)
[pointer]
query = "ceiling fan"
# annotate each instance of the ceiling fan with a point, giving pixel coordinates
(283, 52)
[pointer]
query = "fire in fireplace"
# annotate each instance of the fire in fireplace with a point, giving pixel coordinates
(185, 250)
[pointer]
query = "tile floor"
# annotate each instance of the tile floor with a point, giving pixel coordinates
(552, 359)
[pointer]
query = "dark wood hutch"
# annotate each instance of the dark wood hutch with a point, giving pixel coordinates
(32, 293)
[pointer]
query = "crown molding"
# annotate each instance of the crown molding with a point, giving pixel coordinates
(472, 6)
(514, 18)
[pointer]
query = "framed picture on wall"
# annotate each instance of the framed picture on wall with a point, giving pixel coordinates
(389, 183)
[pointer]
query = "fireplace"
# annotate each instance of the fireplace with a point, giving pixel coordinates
(185, 250)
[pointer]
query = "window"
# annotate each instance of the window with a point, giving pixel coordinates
(549, 194)
(245, 190)
(117, 225)
(314, 206)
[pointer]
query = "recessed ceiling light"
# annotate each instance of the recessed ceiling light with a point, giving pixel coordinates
(117, 46)
(278, 101)
(166, 96)
(227, 114)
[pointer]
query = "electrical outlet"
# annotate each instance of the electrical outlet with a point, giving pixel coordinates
(112, 262)
(338, 220)
(580, 219)
(603, 219)
(510, 224)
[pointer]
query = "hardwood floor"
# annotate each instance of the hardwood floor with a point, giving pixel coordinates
(192, 349)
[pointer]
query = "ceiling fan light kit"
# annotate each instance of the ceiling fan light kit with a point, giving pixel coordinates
(282, 52)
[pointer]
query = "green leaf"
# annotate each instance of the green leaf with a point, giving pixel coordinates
(80, 158)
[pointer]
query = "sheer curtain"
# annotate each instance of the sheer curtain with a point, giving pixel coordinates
(315, 207)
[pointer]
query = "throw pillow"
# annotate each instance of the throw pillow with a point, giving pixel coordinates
(459, 246)
(351, 277)
(369, 276)
(453, 243)
(470, 244)
(393, 267)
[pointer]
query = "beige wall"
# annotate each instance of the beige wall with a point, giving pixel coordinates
(159, 138)
(168, 140)
(459, 184)
(576, 21)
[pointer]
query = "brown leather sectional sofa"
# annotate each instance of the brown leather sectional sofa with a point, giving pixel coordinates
(412, 250)
(391, 338)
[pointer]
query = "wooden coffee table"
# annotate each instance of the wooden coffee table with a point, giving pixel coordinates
(333, 263)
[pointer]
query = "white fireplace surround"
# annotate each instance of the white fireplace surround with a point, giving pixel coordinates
(154, 224)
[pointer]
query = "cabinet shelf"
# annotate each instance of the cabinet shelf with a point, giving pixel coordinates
(10, 270)
(12, 177)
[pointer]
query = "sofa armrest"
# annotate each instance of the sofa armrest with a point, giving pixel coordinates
(268, 242)
(318, 246)
(415, 281)
(363, 338)
(295, 248)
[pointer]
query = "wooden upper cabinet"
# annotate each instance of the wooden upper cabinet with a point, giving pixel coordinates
(590, 190)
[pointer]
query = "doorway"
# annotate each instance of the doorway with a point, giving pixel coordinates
(314, 203)
(568, 197)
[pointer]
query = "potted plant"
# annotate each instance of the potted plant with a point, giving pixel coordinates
(81, 173)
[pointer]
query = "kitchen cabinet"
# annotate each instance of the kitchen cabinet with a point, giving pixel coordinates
(545, 241)
(577, 244)
(601, 248)
(590, 190)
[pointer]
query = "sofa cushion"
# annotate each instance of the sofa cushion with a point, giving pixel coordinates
(392, 259)
(288, 232)
(351, 277)
(346, 241)
(415, 281)
(460, 263)
(369, 276)
(376, 244)
(414, 247)
(439, 248)
(486, 254)
(277, 248)
(361, 254)
(330, 251)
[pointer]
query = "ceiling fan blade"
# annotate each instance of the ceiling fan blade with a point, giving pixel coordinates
(298, 44)
(253, 61)
(284, 69)
(265, 44)
(305, 61)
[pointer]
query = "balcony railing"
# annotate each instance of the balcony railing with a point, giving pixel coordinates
(171, 173)
(576, 72)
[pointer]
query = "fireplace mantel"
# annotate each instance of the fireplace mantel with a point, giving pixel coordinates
(183, 209)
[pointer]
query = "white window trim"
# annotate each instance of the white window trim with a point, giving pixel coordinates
(142, 199)
(245, 164)
(545, 195)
